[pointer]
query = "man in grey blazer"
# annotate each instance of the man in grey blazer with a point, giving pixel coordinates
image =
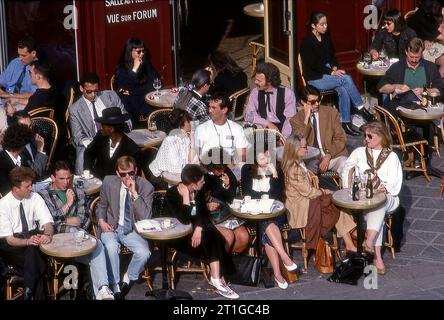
(124, 200)
(83, 112)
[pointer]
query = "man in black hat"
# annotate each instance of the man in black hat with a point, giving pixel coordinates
(103, 152)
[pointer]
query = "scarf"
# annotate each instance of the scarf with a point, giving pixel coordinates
(374, 168)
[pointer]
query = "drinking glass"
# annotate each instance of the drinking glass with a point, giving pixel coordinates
(152, 127)
(367, 58)
(157, 84)
(249, 117)
(383, 55)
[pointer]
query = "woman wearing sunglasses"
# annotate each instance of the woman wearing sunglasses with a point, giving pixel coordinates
(377, 159)
(393, 37)
(303, 197)
(134, 77)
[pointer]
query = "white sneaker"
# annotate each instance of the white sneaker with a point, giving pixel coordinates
(105, 294)
(223, 289)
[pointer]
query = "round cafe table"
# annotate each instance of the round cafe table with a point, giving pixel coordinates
(424, 117)
(90, 186)
(376, 69)
(165, 100)
(175, 231)
(342, 198)
(277, 209)
(255, 10)
(172, 179)
(63, 246)
(144, 138)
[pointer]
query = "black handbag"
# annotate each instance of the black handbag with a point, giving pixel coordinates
(248, 270)
(219, 216)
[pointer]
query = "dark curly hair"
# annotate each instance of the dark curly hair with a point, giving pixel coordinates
(271, 73)
(17, 136)
(178, 118)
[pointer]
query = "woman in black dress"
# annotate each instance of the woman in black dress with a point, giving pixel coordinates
(187, 203)
(134, 77)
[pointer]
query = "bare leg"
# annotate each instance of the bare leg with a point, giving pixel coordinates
(274, 234)
(377, 261)
(242, 239)
(274, 261)
(349, 245)
(371, 234)
(228, 236)
(215, 269)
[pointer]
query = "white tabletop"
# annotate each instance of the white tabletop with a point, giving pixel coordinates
(428, 113)
(145, 138)
(255, 10)
(343, 198)
(165, 100)
(90, 186)
(171, 178)
(175, 230)
(277, 209)
(63, 245)
(376, 68)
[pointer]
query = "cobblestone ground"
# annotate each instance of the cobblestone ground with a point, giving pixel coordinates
(415, 273)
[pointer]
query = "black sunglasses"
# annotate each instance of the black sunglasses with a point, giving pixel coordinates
(313, 102)
(124, 174)
(368, 135)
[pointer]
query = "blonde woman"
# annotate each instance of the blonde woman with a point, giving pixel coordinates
(383, 164)
(300, 191)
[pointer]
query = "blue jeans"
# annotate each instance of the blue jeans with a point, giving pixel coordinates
(346, 90)
(133, 241)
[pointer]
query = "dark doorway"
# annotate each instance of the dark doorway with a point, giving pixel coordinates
(204, 25)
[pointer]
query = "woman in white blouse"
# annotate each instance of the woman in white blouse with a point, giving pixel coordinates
(385, 168)
(175, 151)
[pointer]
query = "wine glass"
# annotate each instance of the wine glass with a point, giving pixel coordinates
(383, 55)
(367, 58)
(152, 127)
(249, 117)
(157, 84)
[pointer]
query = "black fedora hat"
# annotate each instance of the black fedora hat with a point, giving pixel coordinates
(112, 116)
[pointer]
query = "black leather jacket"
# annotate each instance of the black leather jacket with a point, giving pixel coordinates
(386, 39)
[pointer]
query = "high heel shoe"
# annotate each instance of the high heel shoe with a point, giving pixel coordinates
(293, 267)
(282, 285)
(380, 271)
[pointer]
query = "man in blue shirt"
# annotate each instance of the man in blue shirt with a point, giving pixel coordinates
(15, 80)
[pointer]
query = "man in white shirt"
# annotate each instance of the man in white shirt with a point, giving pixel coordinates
(87, 108)
(25, 223)
(219, 132)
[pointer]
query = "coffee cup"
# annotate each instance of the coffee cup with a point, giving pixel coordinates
(265, 196)
(236, 204)
(167, 223)
(86, 174)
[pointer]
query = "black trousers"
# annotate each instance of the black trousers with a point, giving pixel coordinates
(29, 262)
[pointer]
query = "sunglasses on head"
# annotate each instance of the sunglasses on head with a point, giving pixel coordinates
(124, 174)
(91, 91)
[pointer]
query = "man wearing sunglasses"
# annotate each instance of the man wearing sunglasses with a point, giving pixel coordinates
(322, 127)
(83, 112)
(124, 199)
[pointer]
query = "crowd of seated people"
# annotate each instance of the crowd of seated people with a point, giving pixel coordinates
(211, 159)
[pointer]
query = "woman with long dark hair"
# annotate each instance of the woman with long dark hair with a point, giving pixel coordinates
(321, 70)
(394, 36)
(134, 77)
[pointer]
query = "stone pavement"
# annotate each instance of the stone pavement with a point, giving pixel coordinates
(415, 273)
